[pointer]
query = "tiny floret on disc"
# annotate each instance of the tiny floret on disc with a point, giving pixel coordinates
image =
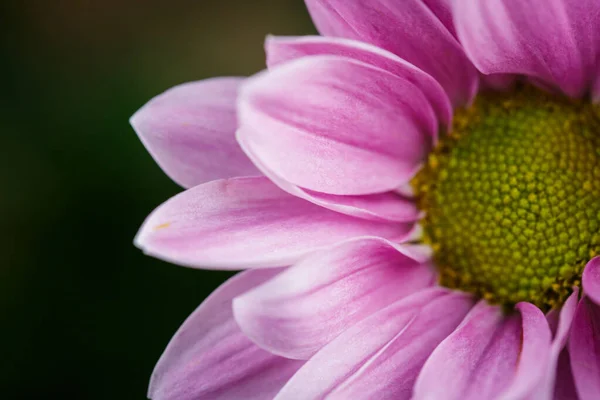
(512, 197)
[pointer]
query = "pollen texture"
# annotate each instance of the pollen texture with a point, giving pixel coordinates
(512, 197)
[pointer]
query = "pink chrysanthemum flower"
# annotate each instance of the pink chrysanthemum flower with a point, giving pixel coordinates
(415, 196)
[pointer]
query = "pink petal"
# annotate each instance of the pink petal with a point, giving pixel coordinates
(337, 126)
(248, 222)
(210, 358)
(546, 388)
(380, 357)
(308, 305)
(556, 41)
(388, 206)
(564, 323)
(443, 11)
(490, 356)
(282, 49)
(407, 28)
(190, 132)
(564, 388)
(591, 280)
(584, 348)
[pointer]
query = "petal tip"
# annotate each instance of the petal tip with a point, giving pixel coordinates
(133, 120)
(143, 238)
(137, 120)
(138, 240)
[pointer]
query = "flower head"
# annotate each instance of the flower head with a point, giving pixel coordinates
(414, 195)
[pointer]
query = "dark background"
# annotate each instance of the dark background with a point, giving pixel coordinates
(83, 314)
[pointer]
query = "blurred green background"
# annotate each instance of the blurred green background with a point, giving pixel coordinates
(84, 315)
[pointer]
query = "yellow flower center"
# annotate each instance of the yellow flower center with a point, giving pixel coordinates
(512, 197)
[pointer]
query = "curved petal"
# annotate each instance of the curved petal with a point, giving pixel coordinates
(407, 28)
(248, 222)
(591, 280)
(564, 322)
(551, 382)
(282, 49)
(556, 41)
(209, 358)
(388, 206)
(308, 305)
(337, 126)
(190, 131)
(380, 357)
(584, 349)
(490, 356)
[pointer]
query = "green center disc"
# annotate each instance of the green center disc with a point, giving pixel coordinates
(512, 197)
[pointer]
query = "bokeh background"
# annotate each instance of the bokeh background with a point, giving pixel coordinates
(83, 314)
